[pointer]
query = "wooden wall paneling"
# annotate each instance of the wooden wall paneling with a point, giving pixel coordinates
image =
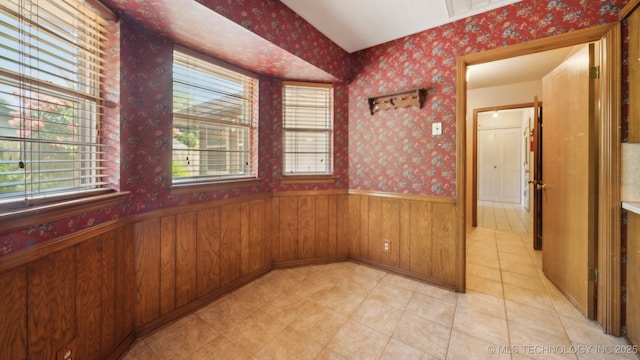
(288, 226)
(258, 250)
(125, 289)
(89, 298)
(443, 232)
(275, 228)
(51, 304)
(355, 233)
(230, 243)
(269, 232)
(404, 250)
(420, 238)
(108, 282)
(325, 244)
(375, 229)
(390, 230)
(13, 314)
(335, 221)
(147, 270)
(342, 217)
(364, 227)
(306, 227)
(208, 256)
(245, 237)
(167, 264)
(186, 255)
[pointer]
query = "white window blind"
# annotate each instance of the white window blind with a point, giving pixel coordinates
(214, 128)
(51, 60)
(308, 128)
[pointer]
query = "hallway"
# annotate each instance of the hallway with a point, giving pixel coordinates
(350, 311)
(504, 217)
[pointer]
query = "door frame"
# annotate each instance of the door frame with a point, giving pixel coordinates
(608, 150)
(474, 166)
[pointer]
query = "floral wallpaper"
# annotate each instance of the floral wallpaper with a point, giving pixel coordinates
(393, 150)
(272, 39)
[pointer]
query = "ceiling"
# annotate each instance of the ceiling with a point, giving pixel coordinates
(359, 24)
(352, 25)
(517, 69)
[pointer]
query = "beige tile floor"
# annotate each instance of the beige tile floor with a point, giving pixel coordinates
(504, 217)
(351, 311)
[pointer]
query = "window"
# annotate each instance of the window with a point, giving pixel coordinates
(51, 60)
(308, 128)
(214, 131)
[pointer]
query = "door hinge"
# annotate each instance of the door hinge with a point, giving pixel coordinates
(594, 72)
(593, 275)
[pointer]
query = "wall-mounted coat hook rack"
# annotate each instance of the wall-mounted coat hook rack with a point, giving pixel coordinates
(398, 99)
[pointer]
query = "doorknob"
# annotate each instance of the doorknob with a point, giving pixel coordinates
(541, 186)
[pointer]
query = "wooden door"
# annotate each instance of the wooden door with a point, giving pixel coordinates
(537, 175)
(568, 219)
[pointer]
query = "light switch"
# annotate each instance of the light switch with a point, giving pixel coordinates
(436, 128)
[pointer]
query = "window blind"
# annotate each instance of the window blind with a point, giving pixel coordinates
(308, 128)
(51, 61)
(214, 129)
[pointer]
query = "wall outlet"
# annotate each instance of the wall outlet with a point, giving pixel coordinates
(68, 352)
(386, 246)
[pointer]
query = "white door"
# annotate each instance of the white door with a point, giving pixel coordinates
(499, 165)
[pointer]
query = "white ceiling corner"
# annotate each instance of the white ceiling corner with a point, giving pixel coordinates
(359, 24)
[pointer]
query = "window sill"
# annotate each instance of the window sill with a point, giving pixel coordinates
(18, 218)
(308, 179)
(191, 188)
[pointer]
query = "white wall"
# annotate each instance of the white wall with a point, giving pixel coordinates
(518, 93)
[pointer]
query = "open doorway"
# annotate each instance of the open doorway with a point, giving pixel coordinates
(505, 85)
(503, 168)
(608, 119)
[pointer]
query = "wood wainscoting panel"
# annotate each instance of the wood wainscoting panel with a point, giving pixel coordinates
(404, 245)
(78, 297)
(325, 243)
(355, 232)
(51, 308)
(13, 312)
(230, 238)
(147, 270)
(167, 264)
(306, 227)
(287, 240)
(363, 240)
(245, 240)
(89, 298)
(443, 234)
(186, 252)
(420, 232)
(374, 240)
(420, 238)
(259, 249)
(390, 230)
(311, 227)
(208, 250)
(125, 288)
(342, 225)
(108, 282)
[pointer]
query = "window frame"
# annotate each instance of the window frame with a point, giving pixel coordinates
(309, 177)
(188, 184)
(29, 208)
